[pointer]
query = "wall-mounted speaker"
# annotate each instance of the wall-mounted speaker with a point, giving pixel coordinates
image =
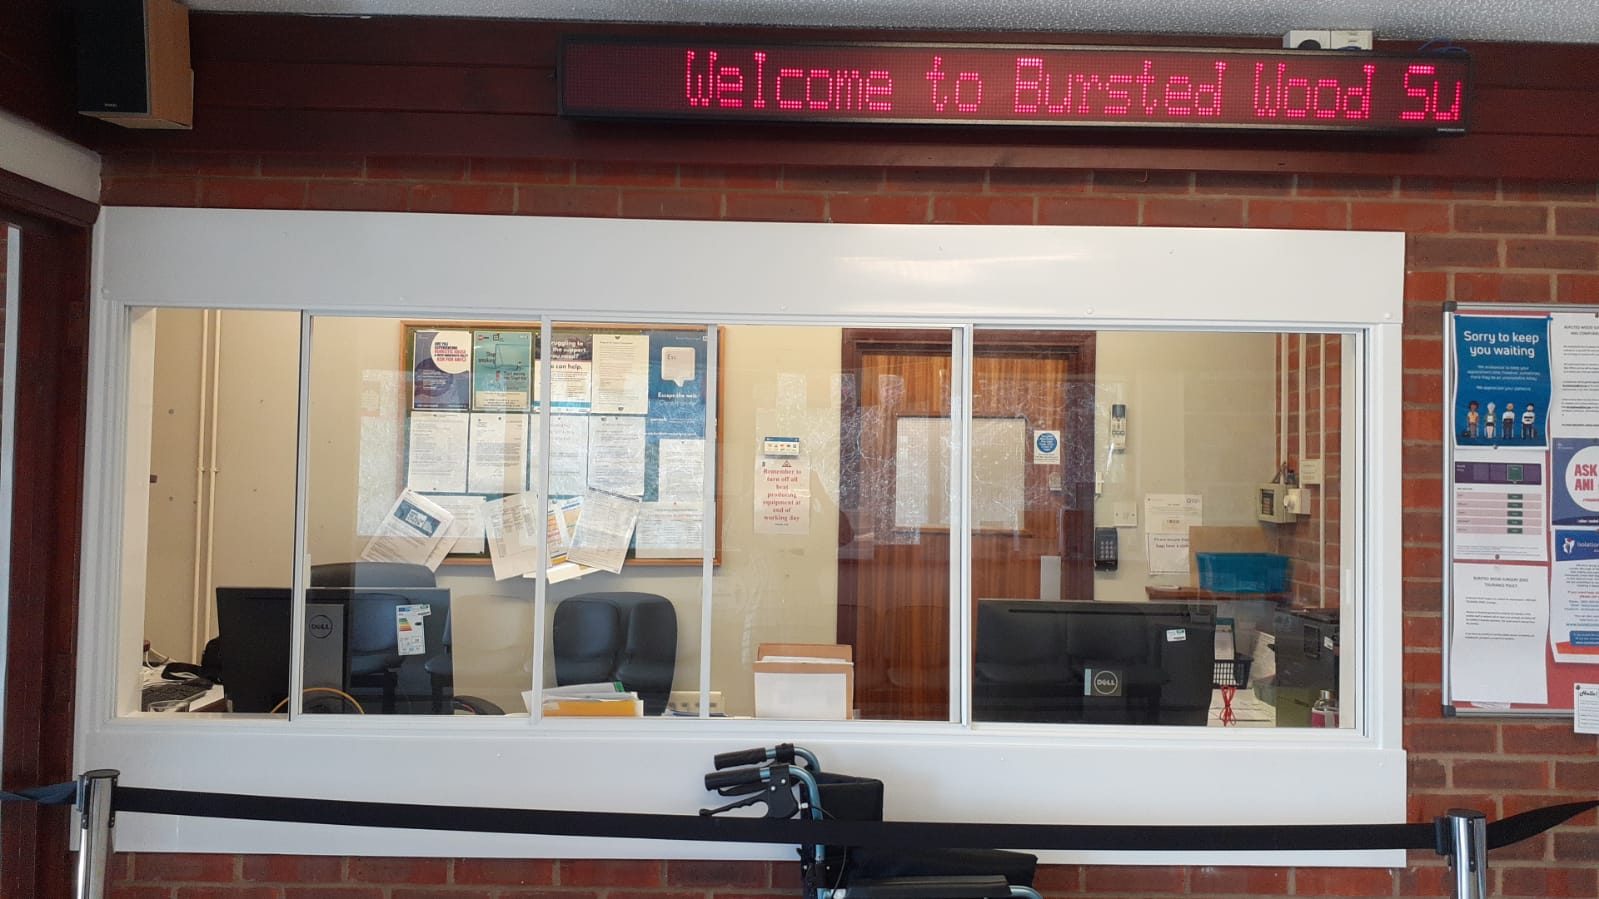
(133, 62)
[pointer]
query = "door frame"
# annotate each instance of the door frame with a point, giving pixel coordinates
(47, 526)
(1077, 462)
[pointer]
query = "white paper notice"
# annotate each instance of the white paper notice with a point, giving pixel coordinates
(414, 528)
(569, 453)
(513, 528)
(562, 524)
(437, 454)
(616, 453)
(467, 529)
(1500, 625)
(782, 497)
(1501, 502)
(1167, 518)
(621, 374)
(680, 471)
(669, 531)
(1173, 513)
(1585, 708)
(1574, 360)
(1168, 553)
(604, 530)
(499, 456)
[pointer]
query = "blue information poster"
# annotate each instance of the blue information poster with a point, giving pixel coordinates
(1501, 380)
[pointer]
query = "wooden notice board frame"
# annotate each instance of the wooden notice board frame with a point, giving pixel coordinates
(1516, 534)
(675, 407)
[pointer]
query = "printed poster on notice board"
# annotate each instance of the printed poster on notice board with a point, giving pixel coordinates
(441, 370)
(1574, 598)
(1501, 381)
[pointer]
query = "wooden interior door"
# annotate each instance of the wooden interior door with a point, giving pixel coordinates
(894, 576)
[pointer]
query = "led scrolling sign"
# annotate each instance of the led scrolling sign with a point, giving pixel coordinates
(1014, 85)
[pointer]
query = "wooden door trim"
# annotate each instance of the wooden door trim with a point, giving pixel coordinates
(856, 343)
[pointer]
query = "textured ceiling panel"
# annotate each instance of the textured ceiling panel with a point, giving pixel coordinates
(1539, 21)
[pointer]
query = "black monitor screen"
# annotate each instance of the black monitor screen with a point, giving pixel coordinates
(1093, 662)
(350, 647)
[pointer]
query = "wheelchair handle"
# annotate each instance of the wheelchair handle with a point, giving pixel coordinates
(783, 752)
(720, 780)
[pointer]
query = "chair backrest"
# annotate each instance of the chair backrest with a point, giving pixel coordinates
(626, 637)
(372, 619)
(372, 574)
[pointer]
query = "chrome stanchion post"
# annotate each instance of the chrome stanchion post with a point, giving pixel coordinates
(1467, 847)
(94, 828)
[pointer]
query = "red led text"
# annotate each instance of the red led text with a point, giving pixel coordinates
(1298, 97)
(1422, 83)
(916, 83)
(709, 82)
(1063, 92)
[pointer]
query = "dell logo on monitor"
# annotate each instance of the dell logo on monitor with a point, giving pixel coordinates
(1103, 682)
(320, 627)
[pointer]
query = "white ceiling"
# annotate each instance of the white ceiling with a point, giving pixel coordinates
(1540, 21)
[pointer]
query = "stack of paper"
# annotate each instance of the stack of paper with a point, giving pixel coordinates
(604, 700)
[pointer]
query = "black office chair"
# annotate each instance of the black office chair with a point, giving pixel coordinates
(374, 648)
(625, 637)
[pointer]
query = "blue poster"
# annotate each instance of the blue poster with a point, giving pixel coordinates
(1501, 380)
(441, 370)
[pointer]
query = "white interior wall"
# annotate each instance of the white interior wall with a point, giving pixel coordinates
(1200, 420)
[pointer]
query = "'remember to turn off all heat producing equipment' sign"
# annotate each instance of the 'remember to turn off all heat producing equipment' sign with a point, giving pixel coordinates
(988, 84)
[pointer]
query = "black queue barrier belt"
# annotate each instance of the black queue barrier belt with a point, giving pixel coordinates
(879, 834)
(55, 794)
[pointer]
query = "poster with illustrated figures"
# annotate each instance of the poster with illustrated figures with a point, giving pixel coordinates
(1522, 507)
(1501, 381)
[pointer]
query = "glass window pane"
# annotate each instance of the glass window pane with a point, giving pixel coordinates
(836, 524)
(1170, 565)
(629, 436)
(213, 411)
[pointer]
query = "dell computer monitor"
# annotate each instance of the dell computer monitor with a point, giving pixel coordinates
(1093, 662)
(348, 631)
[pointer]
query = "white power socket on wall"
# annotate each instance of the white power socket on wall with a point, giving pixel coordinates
(1295, 501)
(1327, 39)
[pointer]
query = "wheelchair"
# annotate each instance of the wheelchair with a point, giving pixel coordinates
(789, 781)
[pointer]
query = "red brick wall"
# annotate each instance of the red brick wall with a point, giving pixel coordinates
(1467, 241)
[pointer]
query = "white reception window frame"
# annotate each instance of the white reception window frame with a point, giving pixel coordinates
(423, 266)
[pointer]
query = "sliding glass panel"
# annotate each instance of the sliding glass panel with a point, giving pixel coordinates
(631, 452)
(1169, 544)
(832, 600)
(212, 417)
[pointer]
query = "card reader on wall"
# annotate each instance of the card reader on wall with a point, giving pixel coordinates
(1273, 504)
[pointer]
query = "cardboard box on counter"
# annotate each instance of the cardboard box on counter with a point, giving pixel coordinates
(811, 681)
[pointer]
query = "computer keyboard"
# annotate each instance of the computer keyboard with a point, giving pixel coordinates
(163, 691)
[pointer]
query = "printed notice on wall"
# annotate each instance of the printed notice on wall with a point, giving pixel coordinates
(1585, 706)
(1500, 624)
(1574, 598)
(1501, 381)
(1500, 502)
(1575, 353)
(782, 497)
